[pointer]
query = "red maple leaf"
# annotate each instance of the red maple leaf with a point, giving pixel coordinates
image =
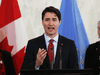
(5, 46)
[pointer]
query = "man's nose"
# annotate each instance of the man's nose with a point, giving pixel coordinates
(50, 22)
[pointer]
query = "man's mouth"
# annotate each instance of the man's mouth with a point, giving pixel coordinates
(51, 28)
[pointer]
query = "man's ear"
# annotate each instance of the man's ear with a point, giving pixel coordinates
(59, 22)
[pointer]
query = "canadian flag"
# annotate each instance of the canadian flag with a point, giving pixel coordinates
(13, 37)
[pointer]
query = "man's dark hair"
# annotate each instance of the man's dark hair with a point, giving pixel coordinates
(51, 9)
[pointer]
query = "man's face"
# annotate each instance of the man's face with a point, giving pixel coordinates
(50, 23)
(99, 29)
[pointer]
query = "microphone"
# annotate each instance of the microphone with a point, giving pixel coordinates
(51, 58)
(60, 51)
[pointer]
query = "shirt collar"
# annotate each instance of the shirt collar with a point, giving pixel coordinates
(48, 38)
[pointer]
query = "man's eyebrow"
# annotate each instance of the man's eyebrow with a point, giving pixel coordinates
(54, 18)
(47, 19)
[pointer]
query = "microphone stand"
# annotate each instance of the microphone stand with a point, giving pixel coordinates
(60, 63)
(51, 58)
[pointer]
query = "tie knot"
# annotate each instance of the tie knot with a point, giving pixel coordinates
(51, 40)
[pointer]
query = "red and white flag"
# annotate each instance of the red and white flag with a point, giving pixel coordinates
(13, 37)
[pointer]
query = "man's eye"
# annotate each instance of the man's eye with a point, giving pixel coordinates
(46, 19)
(54, 20)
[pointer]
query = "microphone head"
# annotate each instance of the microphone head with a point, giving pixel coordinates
(51, 48)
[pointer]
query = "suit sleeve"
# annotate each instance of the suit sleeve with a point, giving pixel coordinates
(73, 60)
(88, 57)
(29, 59)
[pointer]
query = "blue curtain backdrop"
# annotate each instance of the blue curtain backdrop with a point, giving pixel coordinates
(72, 27)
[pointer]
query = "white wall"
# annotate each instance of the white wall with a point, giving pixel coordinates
(31, 14)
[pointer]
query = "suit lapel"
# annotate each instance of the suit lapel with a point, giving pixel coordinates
(43, 45)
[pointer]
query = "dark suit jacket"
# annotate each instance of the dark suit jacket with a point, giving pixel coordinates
(92, 57)
(69, 54)
(9, 66)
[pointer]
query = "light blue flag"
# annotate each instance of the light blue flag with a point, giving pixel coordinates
(72, 27)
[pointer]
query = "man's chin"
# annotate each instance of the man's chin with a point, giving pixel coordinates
(51, 33)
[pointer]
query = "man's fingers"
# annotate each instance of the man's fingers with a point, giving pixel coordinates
(41, 53)
(40, 56)
(41, 50)
(43, 56)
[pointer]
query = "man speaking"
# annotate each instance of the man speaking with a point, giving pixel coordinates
(50, 50)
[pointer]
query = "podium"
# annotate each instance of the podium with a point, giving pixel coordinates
(57, 72)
